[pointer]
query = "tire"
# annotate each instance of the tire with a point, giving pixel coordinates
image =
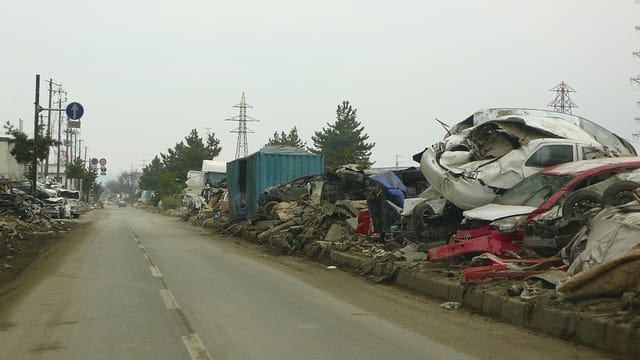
(27, 216)
(579, 203)
(619, 193)
(268, 207)
(419, 218)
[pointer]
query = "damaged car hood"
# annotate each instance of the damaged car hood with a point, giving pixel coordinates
(493, 212)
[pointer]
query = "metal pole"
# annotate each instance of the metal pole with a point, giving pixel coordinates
(59, 135)
(34, 161)
(82, 180)
(66, 164)
(46, 161)
(41, 135)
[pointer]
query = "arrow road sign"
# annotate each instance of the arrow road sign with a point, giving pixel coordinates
(74, 111)
(94, 161)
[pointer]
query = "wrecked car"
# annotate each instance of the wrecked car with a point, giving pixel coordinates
(494, 149)
(554, 227)
(559, 196)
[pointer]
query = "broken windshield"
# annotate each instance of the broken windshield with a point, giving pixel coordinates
(534, 190)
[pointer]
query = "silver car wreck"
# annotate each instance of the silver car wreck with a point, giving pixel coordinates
(494, 149)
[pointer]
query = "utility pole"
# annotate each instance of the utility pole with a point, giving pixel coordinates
(80, 149)
(242, 130)
(34, 161)
(60, 92)
(397, 157)
(66, 154)
(562, 103)
(42, 136)
(636, 81)
(51, 91)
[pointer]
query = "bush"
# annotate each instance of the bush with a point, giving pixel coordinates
(170, 202)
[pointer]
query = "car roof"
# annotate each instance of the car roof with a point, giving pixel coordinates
(599, 164)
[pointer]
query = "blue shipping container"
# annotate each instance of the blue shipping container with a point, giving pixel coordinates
(249, 177)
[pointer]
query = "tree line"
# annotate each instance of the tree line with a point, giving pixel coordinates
(342, 142)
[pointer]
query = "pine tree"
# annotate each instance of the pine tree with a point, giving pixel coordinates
(344, 141)
(291, 139)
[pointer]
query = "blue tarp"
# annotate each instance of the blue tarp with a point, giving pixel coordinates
(394, 185)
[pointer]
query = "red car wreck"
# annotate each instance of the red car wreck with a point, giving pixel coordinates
(557, 199)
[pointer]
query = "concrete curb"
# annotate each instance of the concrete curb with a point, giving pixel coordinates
(592, 331)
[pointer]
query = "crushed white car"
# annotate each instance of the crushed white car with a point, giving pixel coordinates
(494, 149)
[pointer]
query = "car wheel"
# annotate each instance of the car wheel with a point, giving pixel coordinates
(619, 193)
(268, 208)
(27, 216)
(578, 203)
(420, 218)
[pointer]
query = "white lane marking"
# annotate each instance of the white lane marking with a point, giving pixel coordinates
(146, 257)
(141, 247)
(155, 271)
(195, 347)
(169, 301)
(307, 326)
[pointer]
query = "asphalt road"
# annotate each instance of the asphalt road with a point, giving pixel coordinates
(135, 285)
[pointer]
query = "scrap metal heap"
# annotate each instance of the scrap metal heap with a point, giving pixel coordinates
(22, 230)
(561, 247)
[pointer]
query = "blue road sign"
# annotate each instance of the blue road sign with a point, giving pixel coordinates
(94, 161)
(74, 111)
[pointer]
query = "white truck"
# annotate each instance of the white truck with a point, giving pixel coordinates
(9, 167)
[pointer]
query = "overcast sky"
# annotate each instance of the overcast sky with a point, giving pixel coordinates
(149, 71)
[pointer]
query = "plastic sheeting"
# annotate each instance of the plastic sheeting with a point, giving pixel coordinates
(611, 234)
(394, 185)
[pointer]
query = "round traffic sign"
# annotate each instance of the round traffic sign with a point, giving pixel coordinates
(94, 161)
(103, 162)
(74, 111)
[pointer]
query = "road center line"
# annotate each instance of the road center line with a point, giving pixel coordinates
(155, 271)
(169, 301)
(195, 347)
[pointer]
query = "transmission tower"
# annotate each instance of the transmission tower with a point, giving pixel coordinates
(242, 130)
(562, 103)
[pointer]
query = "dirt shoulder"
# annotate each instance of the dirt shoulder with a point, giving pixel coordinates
(36, 254)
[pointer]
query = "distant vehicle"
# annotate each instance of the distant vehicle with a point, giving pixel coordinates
(55, 207)
(122, 203)
(74, 208)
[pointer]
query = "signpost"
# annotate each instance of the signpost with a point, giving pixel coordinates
(73, 124)
(103, 169)
(74, 111)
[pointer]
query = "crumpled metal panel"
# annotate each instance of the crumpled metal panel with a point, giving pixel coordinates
(611, 234)
(492, 212)
(485, 153)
